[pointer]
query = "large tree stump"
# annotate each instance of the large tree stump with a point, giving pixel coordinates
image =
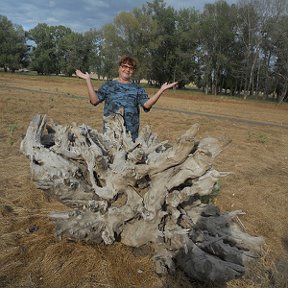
(142, 193)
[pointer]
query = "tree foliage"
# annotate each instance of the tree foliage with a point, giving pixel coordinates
(12, 45)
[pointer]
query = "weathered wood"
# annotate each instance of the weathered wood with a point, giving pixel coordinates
(140, 193)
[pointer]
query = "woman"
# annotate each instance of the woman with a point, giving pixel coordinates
(123, 93)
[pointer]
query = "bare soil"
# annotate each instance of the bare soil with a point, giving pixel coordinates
(31, 256)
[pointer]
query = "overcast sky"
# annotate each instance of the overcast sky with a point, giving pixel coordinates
(79, 15)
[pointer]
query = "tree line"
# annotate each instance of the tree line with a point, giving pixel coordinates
(238, 49)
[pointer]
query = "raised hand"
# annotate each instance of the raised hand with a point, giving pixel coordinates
(82, 75)
(167, 85)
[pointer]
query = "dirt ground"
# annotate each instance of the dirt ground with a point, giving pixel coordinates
(31, 256)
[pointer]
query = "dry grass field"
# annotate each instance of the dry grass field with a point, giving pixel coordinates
(31, 256)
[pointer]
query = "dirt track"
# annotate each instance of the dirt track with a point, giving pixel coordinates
(205, 114)
(257, 156)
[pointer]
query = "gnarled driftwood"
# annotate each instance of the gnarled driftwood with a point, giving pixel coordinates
(140, 193)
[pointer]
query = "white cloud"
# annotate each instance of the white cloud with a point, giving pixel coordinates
(97, 4)
(79, 15)
(51, 3)
(198, 5)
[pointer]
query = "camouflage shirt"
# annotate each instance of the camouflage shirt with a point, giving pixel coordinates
(129, 96)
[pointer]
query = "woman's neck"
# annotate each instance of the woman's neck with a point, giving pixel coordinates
(124, 81)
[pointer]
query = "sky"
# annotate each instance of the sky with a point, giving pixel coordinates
(79, 15)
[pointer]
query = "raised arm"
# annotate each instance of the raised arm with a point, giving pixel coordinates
(91, 91)
(149, 103)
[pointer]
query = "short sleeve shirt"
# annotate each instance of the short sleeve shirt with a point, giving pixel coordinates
(130, 96)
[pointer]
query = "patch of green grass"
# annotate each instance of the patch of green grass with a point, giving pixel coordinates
(75, 96)
(12, 127)
(260, 138)
(210, 199)
(263, 138)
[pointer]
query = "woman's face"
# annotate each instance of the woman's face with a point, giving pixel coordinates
(126, 71)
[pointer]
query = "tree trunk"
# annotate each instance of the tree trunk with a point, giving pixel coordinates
(284, 92)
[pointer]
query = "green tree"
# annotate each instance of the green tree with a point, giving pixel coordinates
(217, 45)
(257, 23)
(111, 50)
(93, 42)
(187, 51)
(280, 66)
(135, 33)
(70, 49)
(163, 65)
(12, 45)
(78, 51)
(46, 55)
(131, 33)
